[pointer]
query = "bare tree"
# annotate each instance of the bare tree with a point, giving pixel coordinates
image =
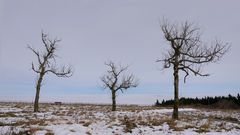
(187, 53)
(46, 63)
(115, 80)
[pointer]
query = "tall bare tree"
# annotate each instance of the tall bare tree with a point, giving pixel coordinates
(116, 80)
(187, 53)
(46, 63)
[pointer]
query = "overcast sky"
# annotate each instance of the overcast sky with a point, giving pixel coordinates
(125, 31)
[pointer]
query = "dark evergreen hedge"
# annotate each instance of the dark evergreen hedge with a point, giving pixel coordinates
(202, 101)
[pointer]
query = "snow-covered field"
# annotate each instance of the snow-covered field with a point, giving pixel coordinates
(79, 119)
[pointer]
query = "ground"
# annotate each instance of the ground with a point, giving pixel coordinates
(84, 119)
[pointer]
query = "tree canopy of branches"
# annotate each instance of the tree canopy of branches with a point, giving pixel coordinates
(115, 80)
(46, 63)
(187, 53)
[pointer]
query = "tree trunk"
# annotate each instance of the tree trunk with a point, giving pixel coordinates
(113, 100)
(176, 89)
(38, 86)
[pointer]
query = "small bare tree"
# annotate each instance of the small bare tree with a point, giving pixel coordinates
(46, 63)
(115, 80)
(187, 53)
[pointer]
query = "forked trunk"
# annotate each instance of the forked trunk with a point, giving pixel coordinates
(113, 100)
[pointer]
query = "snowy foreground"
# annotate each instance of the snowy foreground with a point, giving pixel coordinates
(78, 119)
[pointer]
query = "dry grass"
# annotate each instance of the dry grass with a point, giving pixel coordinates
(88, 133)
(49, 133)
(8, 114)
(32, 130)
(127, 117)
(205, 127)
(128, 123)
(230, 119)
(86, 123)
(72, 130)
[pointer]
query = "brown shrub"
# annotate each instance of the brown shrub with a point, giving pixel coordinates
(129, 124)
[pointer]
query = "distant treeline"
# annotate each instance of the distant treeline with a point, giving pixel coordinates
(218, 101)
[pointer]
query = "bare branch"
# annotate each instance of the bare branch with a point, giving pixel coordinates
(187, 50)
(63, 72)
(33, 68)
(107, 81)
(112, 79)
(44, 40)
(127, 82)
(46, 61)
(37, 53)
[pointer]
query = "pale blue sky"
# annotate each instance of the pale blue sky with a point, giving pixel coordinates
(126, 31)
